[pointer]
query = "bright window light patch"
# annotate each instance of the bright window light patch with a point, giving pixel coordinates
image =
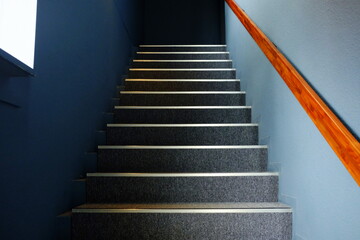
(17, 29)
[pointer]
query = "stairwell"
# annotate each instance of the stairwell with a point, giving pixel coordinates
(182, 159)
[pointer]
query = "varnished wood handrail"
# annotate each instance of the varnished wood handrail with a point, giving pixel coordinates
(344, 144)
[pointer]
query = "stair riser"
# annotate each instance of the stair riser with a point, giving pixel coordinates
(182, 56)
(181, 86)
(182, 135)
(182, 100)
(227, 64)
(181, 189)
(182, 115)
(183, 74)
(182, 49)
(182, 160)
(157, 226)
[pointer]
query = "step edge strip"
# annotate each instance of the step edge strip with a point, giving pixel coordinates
(255, 210)
(184, 125)
(182, 147)
(180, 80)
(180, 45)
(169, 53)
(182, 92)
(182, 107)
(177, 175)
(182, 61)
(182, 69)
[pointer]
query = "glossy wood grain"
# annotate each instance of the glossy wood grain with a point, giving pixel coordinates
(344, 144)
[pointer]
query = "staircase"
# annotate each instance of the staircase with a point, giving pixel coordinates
(182, 159)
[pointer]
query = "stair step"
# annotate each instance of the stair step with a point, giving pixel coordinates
(182, 114)
(182, 134)
(250, 221)
(181, 187)
(182, 98)
(182, 85)
(183, 73)
(182, 48)
(182, 55)
(182, 158)
(182, 63)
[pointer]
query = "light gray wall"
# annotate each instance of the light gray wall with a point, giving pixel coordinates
(321, 38)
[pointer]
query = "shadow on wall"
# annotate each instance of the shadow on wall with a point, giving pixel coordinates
(319, 38)
(49, 122)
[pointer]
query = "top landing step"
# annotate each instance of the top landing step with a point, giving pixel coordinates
(182, 53)
(184, 48)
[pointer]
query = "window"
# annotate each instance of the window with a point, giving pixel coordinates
(17, 29)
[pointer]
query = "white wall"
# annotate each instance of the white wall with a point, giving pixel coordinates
(17, 29)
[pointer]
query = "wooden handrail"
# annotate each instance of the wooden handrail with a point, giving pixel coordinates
(344, 144)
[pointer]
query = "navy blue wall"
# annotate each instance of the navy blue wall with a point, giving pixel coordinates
(321, 38)
(82, 49)
(184, 22)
